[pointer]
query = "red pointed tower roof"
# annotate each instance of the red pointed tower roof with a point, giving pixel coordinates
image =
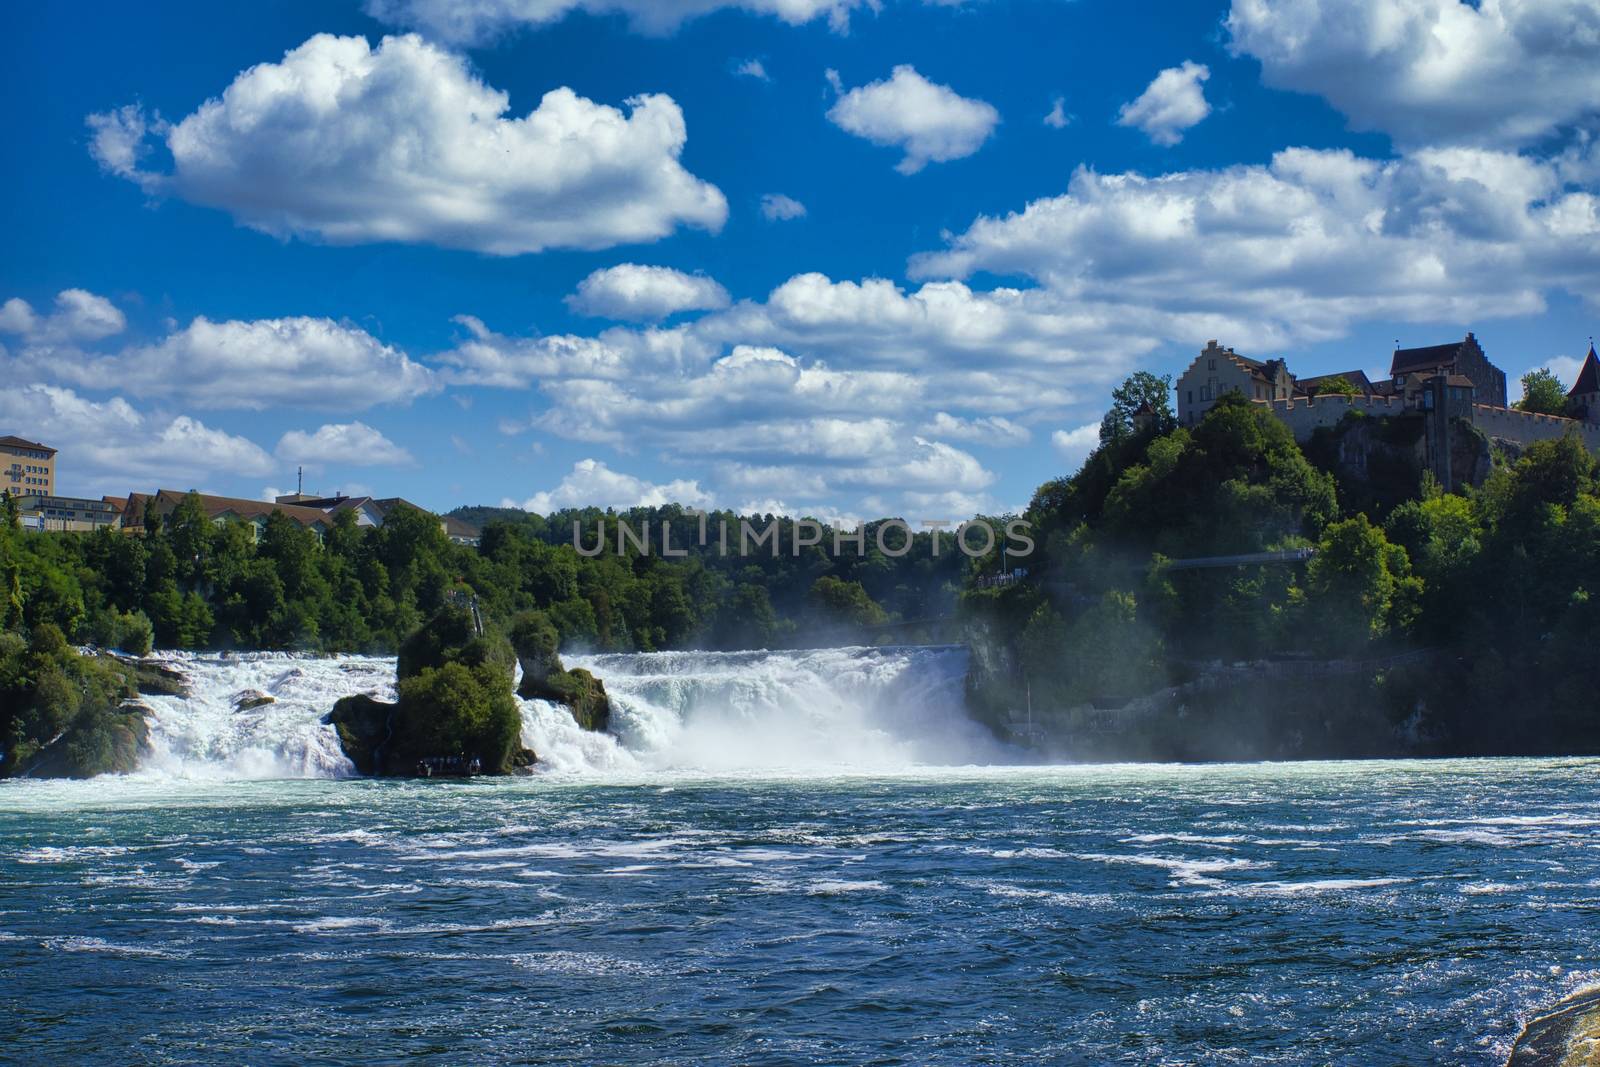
(1589, 377)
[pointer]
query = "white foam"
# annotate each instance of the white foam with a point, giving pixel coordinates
(202, 735)
(834, 708)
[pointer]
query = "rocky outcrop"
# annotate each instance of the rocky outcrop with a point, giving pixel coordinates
(455, 707)
(582, 693)
(250, 699)
(364, 725)
(65, 713)
(544, 677)
(1568, 1035)
(151, 677)
(111, 742)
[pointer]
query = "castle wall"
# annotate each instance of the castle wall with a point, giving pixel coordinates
(1525, 427)
(1303, 416)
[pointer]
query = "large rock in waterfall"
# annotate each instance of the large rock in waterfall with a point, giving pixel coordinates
(545, 678)
(455, 708)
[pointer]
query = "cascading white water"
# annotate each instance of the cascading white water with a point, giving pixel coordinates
(844, 708)
(838, 708)
(205, 734)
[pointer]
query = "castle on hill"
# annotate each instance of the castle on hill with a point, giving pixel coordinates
(1436, 383)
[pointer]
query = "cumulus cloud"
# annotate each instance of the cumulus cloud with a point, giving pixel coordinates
(484, 20)
(299, 362)
(1057, 118)
(79, 315)
(640, 293)
(111, 447)
(1172, 103)
(591, 483)
(352, 144)
(1075, 445)
(1299, 249)
(931, 123)
(1500, 73)
(992, 430)
(353, 444)
(776, 207)
(819, 432)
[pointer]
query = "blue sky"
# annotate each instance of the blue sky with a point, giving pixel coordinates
(236, 246)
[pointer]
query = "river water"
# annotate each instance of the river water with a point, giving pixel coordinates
(766, 866)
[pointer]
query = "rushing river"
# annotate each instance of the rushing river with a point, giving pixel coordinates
(765, 867)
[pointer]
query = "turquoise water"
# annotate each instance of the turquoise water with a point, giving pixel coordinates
(1312, 913)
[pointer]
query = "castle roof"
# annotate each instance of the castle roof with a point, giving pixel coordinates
(1430, 357)
(1588, 377)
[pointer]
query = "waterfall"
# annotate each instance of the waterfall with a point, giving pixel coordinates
(205, 734)
(720, 712)
(832, 708)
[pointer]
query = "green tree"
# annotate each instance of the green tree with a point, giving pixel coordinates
(456, 710)
(839, 602)
(1338, 385)
(1139, 390)
(1542, 393)
(1358, 586)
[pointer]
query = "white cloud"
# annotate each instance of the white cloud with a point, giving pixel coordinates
(111, 447)
(79, 315)
(1495, 72)
(1075, 445)
(352, 444)
(752, 68)
(1299, 249)
(313, 363)
(591, 483)
(1057, 118)
(993, 430)
(641, 293)
(1172, 103)
(300, 362)
(404, 143)
(932, 123)
(776, 207)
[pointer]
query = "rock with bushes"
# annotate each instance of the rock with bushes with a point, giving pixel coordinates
(65, 714)
(455, 705)
(534, 638)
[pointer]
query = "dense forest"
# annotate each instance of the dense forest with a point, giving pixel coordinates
(1474, 613)
(190, 583)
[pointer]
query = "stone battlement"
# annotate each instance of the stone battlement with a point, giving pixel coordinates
(1304, 415)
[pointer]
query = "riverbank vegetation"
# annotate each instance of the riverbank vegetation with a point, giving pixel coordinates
(186, 582)
(1465, 619)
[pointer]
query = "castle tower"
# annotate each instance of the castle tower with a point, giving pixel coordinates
(1583, 399)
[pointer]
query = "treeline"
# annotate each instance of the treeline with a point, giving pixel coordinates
(187, 582)
(1498, 583)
